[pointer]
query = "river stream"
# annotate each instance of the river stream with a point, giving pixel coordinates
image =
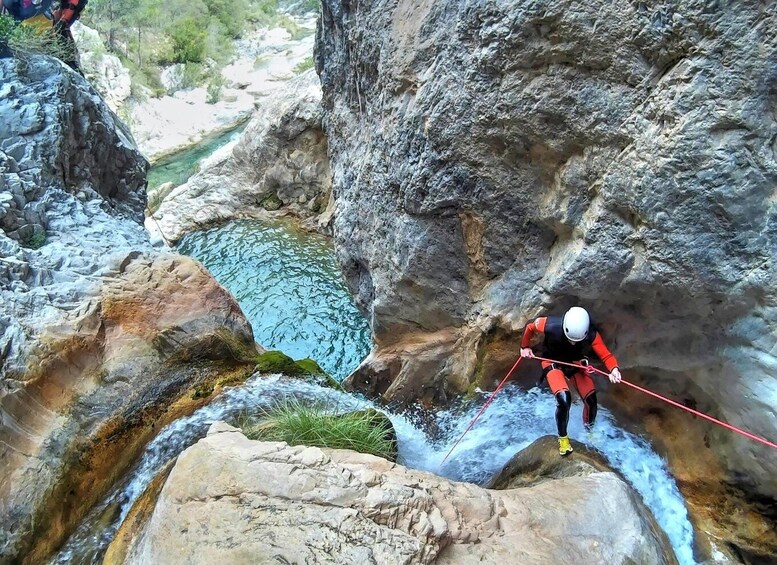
(288, 284)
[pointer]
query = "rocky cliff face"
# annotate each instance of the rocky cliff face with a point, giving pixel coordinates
(101, 337)
(105, 72)
(279, 164)
(235, 500)
(494, 161)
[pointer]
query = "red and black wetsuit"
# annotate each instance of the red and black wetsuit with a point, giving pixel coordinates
(556, 346)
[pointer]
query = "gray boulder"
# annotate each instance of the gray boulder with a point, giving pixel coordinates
(279, 165)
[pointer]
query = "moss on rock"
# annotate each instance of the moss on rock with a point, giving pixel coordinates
(278, 362)
(271, 202)
(310, 366)
(314, 369)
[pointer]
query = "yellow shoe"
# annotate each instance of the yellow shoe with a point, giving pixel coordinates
(564, 447)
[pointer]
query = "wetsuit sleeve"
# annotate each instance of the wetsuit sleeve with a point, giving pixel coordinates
(603, 353)
(532, 328)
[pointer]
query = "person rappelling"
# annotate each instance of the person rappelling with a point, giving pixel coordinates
(570, 339)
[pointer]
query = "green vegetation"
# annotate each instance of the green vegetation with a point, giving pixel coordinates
(366, 431)
(36, 241)
(271, 202)
(278, 362)
(188, 39)
(202, 392)
(215, 87)
(26, 40)
(312, 368)
(149, 34)
(304, 66)
(272, 362)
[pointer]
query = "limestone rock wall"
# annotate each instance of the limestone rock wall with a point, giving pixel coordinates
(104, 71)
(279, 164)
(493, 161)
(241, 501)
(100, 335)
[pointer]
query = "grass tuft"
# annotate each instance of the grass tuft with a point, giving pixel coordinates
(365, 431)
(26, 40)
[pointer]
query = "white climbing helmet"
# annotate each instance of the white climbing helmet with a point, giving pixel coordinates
(576, 323)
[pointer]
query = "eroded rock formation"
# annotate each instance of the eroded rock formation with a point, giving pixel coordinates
(493, 161)
(280, 163)
(235, 500)
(101, 337)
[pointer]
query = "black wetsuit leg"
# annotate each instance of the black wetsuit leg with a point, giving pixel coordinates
(69, 50)
(563, 404)
(590, 407)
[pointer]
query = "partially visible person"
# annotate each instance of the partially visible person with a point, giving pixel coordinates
(63, 17)
(56, 15)
(571, 339)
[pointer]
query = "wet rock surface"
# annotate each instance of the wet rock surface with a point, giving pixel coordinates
(100, 335)
(493, 162)
(279, 165)
(229, 498)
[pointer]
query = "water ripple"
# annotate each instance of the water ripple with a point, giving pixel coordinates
(289, 286)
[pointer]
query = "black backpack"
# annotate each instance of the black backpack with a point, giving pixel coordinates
(25, 9)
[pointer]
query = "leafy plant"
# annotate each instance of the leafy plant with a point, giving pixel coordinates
(366, 431)
(232, 14)
(214, 90)
(193, 75)
(188, 39)
(36, 241)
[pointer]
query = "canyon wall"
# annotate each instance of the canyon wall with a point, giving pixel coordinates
(495, 161)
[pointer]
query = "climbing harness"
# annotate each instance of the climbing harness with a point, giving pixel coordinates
(623, 381)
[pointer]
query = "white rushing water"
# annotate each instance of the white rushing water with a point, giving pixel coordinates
(513, 421)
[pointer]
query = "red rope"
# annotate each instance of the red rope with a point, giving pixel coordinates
(490, 398)
(669, 401)
(632, 385)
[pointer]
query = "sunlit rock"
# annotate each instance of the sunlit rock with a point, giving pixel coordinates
(230, 499)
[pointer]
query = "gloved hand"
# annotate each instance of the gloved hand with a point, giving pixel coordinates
(527, 352)
(615, 375)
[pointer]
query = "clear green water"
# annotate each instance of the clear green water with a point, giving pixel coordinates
(288, 284)
(180, 167)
